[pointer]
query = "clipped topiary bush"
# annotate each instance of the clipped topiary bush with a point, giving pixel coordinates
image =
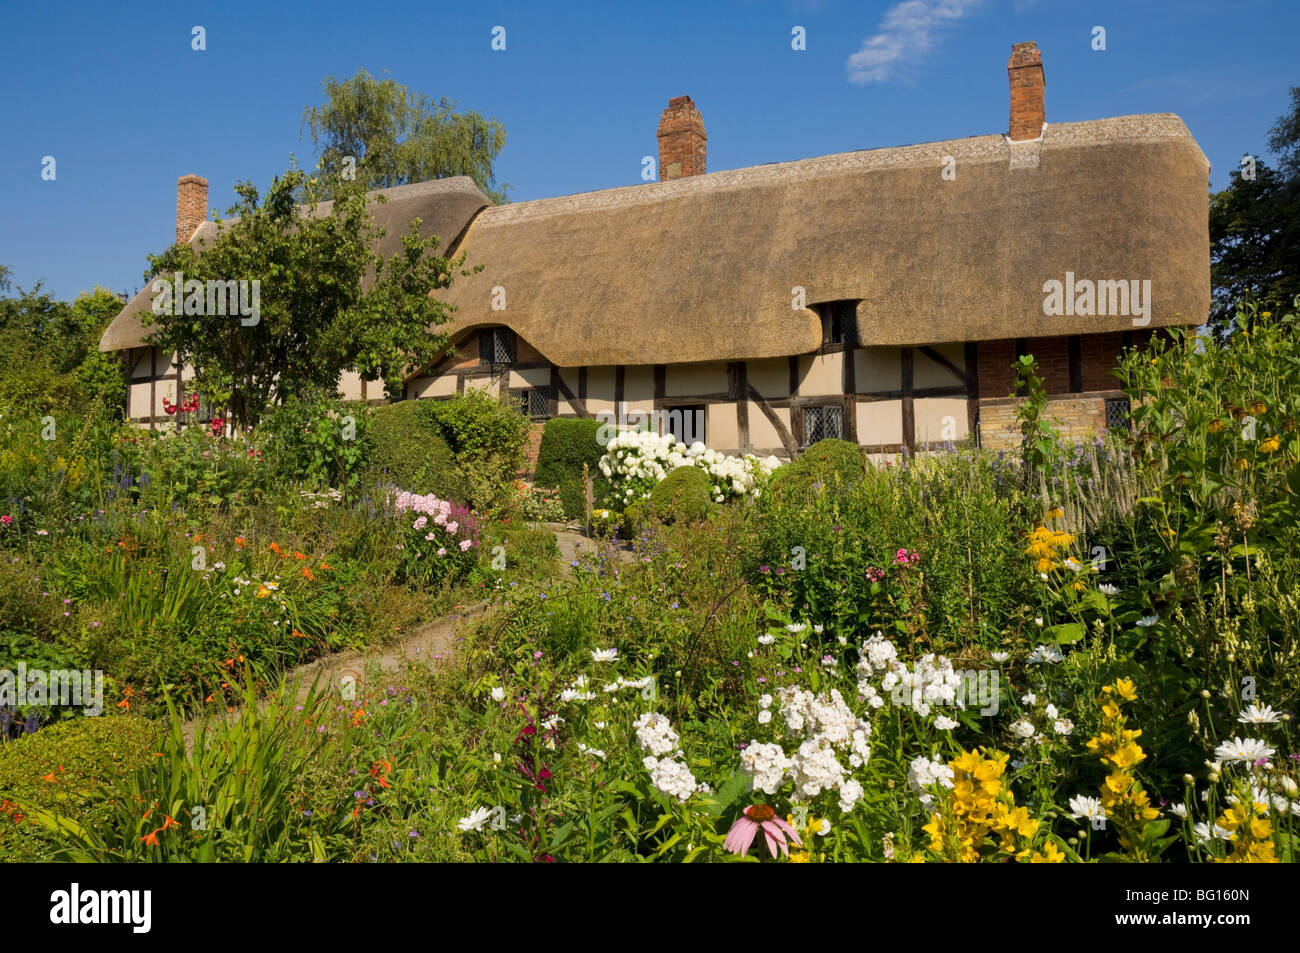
(568, 443)
(80, 753)
(682, 496)
(409, 448)
(829, 462)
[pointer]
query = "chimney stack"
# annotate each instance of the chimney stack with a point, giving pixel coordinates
(191, 206)
(682, 140)
(1025, 70)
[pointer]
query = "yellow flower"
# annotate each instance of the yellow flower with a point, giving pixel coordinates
(1215, 426)
(1243, 464)
(1269, 444)
(1055, 513)
(1050, 854)
(1126, 690)
(1259, 407)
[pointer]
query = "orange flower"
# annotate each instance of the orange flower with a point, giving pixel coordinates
(275, 548)
(298, 635)
(49, 778)
(208, 699)
(239, 541)
(124, 703)
(357, 716)
(326, 566)
(151, 839)
(168, 822)
(298, 555)
(307, 573)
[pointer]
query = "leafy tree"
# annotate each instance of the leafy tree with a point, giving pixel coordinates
(397, 136)
(1255, 229)
(316, 317)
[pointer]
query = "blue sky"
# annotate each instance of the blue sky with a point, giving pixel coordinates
(117, 96)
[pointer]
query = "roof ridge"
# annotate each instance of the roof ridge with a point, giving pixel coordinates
(982, 148)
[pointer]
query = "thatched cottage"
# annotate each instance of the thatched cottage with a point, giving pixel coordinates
(880, 296)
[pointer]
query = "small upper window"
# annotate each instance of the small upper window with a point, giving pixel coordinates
(839, 322)
(535, 403)
(496, 346)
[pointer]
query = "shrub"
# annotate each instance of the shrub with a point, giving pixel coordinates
(317, 440)
(683, 495)
(568, 443)
(477, 425)
(411, 452)
(827, 462)
(80, 753)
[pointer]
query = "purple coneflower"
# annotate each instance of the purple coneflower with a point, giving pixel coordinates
(741, 836)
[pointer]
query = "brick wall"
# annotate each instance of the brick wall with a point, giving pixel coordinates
(994, 362)
(530, 450)
(682, 140)
(1077, 418)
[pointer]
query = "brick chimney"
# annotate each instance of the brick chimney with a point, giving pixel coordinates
(191, 206)
(682, 140)
(1025, 70)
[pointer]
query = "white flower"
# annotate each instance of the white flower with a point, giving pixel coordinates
(594, 752)
(1029, 698)
(674, 779)
(766, 639)
(766, 764)
(1050, 711)
(1179, 810)
(796, 626)
(1038, 620)
(765, 701)
(604, 655)
(1148, 620)
(1045, 653)
(476, 820)
(1254, 715)
(944, 723)
(498, 694)
(764, 717)
(924, 773)
(1107, 589)
(654, 733)
(850, 793)
(1243, 749)
(1000, 657)
(1204, 833)
(1086, 807)
(1023, 729)
(1063, 726)
(825, 827)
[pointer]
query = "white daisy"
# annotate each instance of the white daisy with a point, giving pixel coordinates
(1254, 715)
(1086, 807)
(477, 819)
(1243, 749)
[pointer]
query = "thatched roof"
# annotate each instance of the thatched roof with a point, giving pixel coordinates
(444, 207)
(701, 268)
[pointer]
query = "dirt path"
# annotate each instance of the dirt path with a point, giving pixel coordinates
(429, 643)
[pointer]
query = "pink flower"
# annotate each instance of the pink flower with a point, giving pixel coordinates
(6, 520)
(430, 536)
(441, 551)
(755, 817)
(420, 523)
(453, 526)
(466, 544)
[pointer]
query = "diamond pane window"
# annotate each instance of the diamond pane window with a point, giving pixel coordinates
(819, 423)
(1117, 410)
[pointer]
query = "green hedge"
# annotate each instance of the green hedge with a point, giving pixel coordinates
(827, 463)
(410, 449)
(80, 753)
(568, 443)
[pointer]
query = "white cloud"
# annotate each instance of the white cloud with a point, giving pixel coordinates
(906, 31)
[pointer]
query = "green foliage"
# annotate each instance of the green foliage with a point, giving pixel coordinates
(314, 317)
(410, 451)
(80, 754)
(488, 436)
(1255, 229)
(319, 441)
(396, 136)
(1039, 443)
(568, 443)
(683, 495)
(828, 464)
